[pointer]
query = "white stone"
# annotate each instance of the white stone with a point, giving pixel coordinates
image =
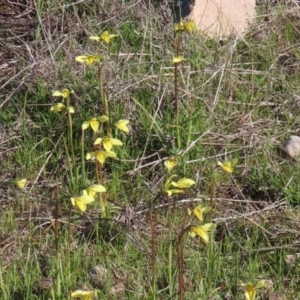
(221, 18)
(292, 146)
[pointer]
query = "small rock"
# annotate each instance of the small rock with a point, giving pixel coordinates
(292, 146)
(219, 18)
(276, 296)
(291, 259)
(97, 275)
(117, 289)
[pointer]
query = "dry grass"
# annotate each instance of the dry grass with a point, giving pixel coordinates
(247, 96)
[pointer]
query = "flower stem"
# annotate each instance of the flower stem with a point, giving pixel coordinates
(177, 43)
(103, 98)
(71, 144)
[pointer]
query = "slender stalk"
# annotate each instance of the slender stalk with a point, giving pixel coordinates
(103, 98)
(56, 212)
(212, 190)
(176, 89)
(99, 168)
(169, 218)
(70, 129)
(69, 238)
(82, 158)
(71, 144)
(180, 265)
(99, 175)
(177, 43)
(181, 259)
(153, 252)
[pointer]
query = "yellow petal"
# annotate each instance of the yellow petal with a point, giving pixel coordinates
(88, 59)
(81, 58)
(122, 125)
(95, 38)
(179, 26)
(226, 167)
(101, 155)
(71, 110)
(107, 144)
(21, 183)
(184, 183)
(170, 192)
(95, 124)
(201, 232)
(85, 125)
(178, 59)
(103, 118)
(66, 93)
(90, 155)
(86, 197)
(58, 107)
(170, 163)
(98, 141)
(83, 295)
(116, 142)
(97, 188)
(260, 284)
(80, 205)
(198, 211)
(250, 292)
(105, 36)
(57, 94)
(189, 26)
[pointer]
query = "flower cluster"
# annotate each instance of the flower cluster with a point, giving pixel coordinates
(107, 142)
(60, 107)
(89, 59)
(182, 26)
(87, 197)
(201, 230)
(172, 187)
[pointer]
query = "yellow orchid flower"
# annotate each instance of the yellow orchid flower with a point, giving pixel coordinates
(180, 185)
(198, 211)
(184, 26)
(106, 37)
(170, 163)
(101, 155)
(88, 59)
(94, 123)
(250, 289)
(122, 125)
(21, 183)
(83, 295)
(96, 188)
(108, 143)
(59, 107)
(202, 231)
(179, 26)
(65, 93)
(228, 166)
(81, 202)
